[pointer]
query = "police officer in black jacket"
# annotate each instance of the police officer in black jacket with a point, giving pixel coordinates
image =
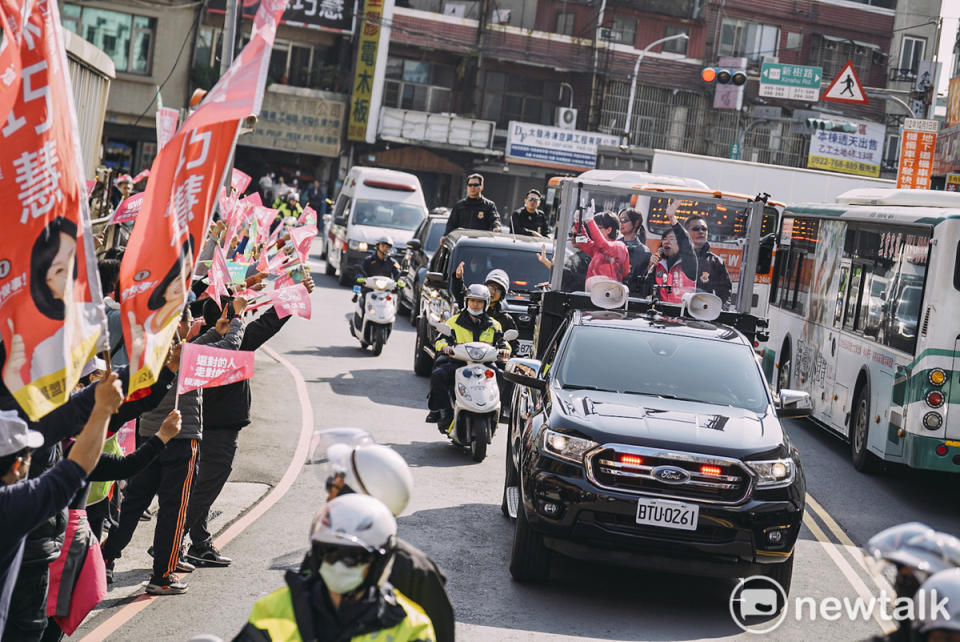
(712, 273)
(474, 212)
(379, 262)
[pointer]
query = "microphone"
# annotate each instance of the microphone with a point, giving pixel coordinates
(654, 266)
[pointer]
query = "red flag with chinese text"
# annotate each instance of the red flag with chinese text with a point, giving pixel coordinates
(51, 311)
(173, 222)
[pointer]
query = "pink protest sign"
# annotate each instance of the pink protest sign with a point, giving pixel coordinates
(291, 300)
(127, 209)
(206, 367)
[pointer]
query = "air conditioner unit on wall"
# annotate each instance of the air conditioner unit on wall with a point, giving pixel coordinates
(565, 118)
(455, 9)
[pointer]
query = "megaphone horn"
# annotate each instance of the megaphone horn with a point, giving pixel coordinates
(606, 293)
(702, 306)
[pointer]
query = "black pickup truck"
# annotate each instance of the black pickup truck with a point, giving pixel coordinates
(650, 440)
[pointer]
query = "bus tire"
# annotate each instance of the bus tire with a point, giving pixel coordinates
(863, 460)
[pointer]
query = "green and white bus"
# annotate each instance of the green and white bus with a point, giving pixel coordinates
(865, 316)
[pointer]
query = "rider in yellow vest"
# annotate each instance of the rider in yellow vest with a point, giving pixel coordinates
(345, 594)
(473, 323)
(286, 207)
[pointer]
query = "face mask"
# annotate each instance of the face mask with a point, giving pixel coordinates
(474, 313)
(341, 578)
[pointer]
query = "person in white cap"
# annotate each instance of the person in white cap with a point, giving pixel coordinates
(25, 504)
(380, 472)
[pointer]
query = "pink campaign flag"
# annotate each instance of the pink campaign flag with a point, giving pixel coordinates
(142, 175)
(218, 275)
(291, 300)
(239, 181)
(265, 217)
(90, 185)
(302, 237)
(127, 209)
(207, 367)
(166, 125)
(309, 216)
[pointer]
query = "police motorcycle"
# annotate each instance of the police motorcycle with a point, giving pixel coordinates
(908, 556)
(374, 314)
(476, 395)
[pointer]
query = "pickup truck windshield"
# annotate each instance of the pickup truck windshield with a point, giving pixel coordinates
(662, 365)
(522, 266)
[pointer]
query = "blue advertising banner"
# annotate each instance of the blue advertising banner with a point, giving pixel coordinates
(546, 146)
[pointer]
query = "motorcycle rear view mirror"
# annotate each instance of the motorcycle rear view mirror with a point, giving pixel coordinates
(436, 278)
(442, 328)
(510, 335)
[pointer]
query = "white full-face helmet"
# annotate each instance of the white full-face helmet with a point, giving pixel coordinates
(375, 470)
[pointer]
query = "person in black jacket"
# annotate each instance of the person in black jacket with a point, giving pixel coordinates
(713, 276)
(529, 219)
(474, 212)
(226, 410)
(25, 505)
(635, 238)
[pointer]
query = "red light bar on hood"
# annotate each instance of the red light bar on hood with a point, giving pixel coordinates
(400, 187)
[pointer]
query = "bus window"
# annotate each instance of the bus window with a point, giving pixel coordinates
(798, 245)
(851, 320)
(956, 268)
(841, 296)
(901, 266)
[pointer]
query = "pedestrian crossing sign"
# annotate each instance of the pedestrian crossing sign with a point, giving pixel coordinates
(846, 87)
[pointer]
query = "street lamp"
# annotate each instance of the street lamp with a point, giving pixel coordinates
(636, 71)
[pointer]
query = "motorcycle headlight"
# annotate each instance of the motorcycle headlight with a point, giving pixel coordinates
(566, 446)
(773, 473)
(358, 245)
(475, 353)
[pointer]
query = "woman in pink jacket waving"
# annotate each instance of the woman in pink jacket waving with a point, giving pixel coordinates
(608, 257)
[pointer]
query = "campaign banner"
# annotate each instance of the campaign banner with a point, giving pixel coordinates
(208, 367)
(167, 119)
(186, 173)
(325, 15)
(10, 62)
(291, 300)
(127, 209)
(51, 311)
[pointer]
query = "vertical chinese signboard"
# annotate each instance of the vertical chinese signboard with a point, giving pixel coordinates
(372, 45)
(917, 148)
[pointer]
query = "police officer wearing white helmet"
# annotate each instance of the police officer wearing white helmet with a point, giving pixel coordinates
(379, 471)
(939, 620)
(344, 594)
(498, 282)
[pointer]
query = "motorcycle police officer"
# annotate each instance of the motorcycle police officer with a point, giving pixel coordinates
(498, 283)
(474, 212)
(345, 593)
(379, 471)
(288, 206)
(473, 323)
(378, 263)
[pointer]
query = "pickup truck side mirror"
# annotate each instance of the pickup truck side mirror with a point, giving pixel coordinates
(793, 404)
(339, 220)
(413, 244)
(436, 278)
(525, 372)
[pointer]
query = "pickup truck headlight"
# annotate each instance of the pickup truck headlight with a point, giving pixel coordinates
(773, 473)
(358, 245)
(565, 446)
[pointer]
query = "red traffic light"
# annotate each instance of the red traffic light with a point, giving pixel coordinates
(709, 74)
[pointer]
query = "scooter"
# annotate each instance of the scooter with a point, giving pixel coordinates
(373, 326)
(476, 397)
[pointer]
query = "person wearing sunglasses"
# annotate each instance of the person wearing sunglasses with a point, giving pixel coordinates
(529, 219)
(475, 212)
(344, 593)
(712, 273)
(634, 237)
(380, 472)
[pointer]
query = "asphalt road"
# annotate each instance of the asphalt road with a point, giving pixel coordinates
(455, 517)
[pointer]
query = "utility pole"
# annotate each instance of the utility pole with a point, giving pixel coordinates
(593, 116)
(229, 44)
(481, 31)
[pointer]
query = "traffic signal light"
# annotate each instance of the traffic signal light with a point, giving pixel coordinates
(832, 125)
(724, 76)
